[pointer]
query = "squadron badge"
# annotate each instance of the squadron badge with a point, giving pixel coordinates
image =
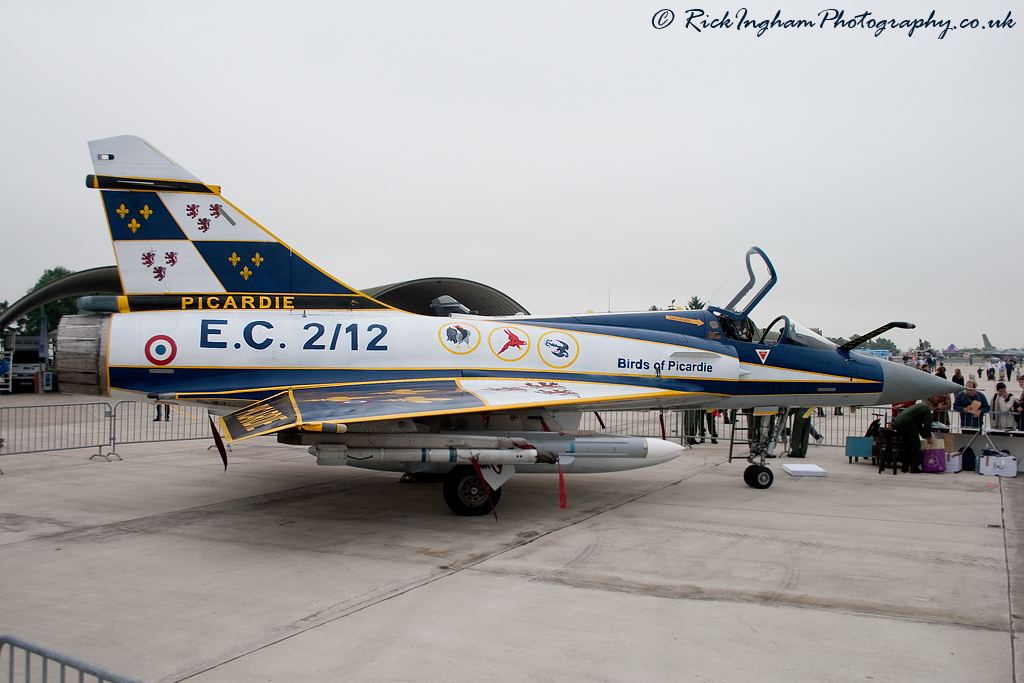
(558, 349)
(460, 338)
(509, 343)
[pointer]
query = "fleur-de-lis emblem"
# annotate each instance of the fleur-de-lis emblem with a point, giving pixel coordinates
(146, 212)
(234, 259)
(257, 259)
(245, 273)
(122, 212)
(134, 225)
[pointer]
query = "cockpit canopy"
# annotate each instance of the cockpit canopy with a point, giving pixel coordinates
(759, 279)
(735, 315)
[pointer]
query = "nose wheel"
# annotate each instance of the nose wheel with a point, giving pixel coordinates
(758, 476)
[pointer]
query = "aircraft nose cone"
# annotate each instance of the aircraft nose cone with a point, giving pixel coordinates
(903, 383)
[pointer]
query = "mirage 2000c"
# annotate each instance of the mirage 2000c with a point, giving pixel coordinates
(217, 311)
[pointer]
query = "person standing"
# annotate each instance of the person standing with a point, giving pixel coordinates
(914, 424)
(692, 422)
(940, 410)
(971, 415)
(1002, 408)
(1018, 404)
(941, 371)
(709, 416)
(957, 378)
(800, 435)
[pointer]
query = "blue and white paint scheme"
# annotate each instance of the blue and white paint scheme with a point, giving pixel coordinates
(218, 311)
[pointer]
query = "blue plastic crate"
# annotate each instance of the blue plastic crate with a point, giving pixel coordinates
(859, 447)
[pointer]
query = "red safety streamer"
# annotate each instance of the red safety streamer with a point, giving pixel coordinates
(562, 501)
(661, 418)
(487, 489)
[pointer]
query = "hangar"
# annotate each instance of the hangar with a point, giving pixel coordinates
(414, 296)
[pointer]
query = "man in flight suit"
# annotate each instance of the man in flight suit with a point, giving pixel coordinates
(914, 424)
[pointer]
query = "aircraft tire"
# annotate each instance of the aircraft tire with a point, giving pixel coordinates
(748, 474)
(465, 495)
(762, 478)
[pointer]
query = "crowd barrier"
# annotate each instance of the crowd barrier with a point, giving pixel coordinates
(832, 424)
(32, 429)
(31, 662)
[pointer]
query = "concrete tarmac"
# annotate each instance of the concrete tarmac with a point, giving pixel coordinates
(166, 568)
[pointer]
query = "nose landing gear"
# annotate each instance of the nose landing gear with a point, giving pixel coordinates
(758, 476)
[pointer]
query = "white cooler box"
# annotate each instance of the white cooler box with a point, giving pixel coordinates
(998, 465)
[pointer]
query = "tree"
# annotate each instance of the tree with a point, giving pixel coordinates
(55, 310)
(694, 304)
(13, 327)
(883, 344)
(878, 343)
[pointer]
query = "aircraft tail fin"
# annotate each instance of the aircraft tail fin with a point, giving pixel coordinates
(180, 245)
(986, 345)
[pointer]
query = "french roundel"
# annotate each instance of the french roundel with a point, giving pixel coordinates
(161, 350)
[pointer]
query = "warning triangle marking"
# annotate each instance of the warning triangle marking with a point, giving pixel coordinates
(763, 354)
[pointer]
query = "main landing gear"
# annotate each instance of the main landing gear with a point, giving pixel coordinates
(466, 494)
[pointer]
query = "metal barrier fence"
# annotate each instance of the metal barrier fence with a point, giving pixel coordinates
(833, 424)
(32, 429)
(27, 429)
(135, 422)
(39, 663)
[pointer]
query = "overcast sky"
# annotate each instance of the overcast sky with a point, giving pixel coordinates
(566, 153)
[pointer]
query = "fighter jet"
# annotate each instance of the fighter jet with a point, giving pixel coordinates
(219, 312)
(987, 348)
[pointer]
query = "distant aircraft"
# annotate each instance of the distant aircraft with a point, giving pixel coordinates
(219, 312)
(993, 351)
(877, 353)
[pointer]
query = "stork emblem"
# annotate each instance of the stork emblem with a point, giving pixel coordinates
(558, 349)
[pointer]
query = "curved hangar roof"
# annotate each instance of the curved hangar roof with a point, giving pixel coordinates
(415, 296)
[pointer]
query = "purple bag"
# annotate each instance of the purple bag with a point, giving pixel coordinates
(933, 460)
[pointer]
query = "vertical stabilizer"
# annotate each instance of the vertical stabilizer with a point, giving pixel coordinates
(986, 344)
(180, 245)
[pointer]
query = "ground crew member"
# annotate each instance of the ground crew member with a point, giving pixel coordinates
(914, 424)
(800, 435)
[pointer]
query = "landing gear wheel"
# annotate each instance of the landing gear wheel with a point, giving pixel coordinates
(465, 493)
(758, 476)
